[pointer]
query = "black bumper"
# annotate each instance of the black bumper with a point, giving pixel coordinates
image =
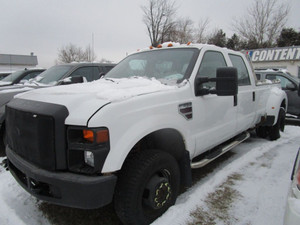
(62, 188)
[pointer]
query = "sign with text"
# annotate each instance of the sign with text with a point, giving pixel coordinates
(275, 54)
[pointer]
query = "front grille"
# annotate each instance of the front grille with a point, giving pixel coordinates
(32, 137)
(36, 132)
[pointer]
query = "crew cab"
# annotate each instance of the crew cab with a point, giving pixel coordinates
(133, 136)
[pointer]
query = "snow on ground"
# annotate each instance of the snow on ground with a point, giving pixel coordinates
(264, 167)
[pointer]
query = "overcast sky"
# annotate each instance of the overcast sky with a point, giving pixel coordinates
(44, 26)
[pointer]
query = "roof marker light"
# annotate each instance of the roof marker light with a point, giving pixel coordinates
(189, 43)
(151, 47)
(159, 46)
(170, 45)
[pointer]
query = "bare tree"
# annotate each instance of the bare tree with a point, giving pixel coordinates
(159, 19)
(72, 53)
(263, 23)
(200, 33)
(183, 31)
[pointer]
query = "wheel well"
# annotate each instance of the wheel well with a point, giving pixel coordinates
(283, 104)
(167, 140)
(172, 142)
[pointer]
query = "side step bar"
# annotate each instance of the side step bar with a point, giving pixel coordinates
(220, 150)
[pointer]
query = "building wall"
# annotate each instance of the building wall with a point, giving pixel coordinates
(285, 57)
(11, 63)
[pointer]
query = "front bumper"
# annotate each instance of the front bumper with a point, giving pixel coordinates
(62, 188)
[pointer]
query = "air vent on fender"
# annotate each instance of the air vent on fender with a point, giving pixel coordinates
(186, 110)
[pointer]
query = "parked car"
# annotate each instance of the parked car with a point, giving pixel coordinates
(134, 136)
(289, 83)
(4, 74)
(56, 75)
(292, 210)
(20, 76)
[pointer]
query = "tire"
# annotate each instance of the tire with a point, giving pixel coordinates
(279, 126)
(2, 143)
(148, 184)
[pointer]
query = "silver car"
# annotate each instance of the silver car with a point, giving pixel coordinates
(292, 210)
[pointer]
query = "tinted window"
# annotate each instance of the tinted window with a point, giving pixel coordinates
(53, 74)
(13, 76)
(31, 75)
(106, 68)
(211, 61)
(258, 76)
(89, 72)
(243, 75)
(284, 81)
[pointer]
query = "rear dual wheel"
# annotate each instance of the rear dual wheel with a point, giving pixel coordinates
(273, 132)
(148, 185)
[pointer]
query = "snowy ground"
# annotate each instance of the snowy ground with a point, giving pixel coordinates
(248, 185)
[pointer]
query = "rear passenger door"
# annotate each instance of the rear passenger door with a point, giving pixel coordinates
(246, 95)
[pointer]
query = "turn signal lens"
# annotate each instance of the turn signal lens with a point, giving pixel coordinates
(88, 135)
(100, 136)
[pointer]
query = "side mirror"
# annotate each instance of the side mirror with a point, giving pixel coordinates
(72, 80)
(77, 79)
(226, 83)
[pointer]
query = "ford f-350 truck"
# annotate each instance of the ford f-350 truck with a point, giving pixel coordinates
(133, 136)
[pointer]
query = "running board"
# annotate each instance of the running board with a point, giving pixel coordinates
(220, 151)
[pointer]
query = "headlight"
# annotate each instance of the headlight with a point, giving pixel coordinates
(89, 158)
(87, 149)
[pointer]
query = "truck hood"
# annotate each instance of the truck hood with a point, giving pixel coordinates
(83, 100)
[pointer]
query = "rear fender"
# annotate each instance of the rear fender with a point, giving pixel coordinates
(277, 99)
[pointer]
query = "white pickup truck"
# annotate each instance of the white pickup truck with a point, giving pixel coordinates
(133, 136)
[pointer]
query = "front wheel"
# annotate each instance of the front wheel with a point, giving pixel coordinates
(147, 186)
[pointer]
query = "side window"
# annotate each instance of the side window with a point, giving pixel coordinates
(107, 68)
(243, 75)
(90, 73)
(31, 75)
(208, 68)
(284, 81)
(258, 76)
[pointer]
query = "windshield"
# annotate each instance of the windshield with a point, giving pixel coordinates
(52, 75)
(170, 66)
(13, 76)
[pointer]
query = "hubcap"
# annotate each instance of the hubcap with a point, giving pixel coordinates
(158, 192)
